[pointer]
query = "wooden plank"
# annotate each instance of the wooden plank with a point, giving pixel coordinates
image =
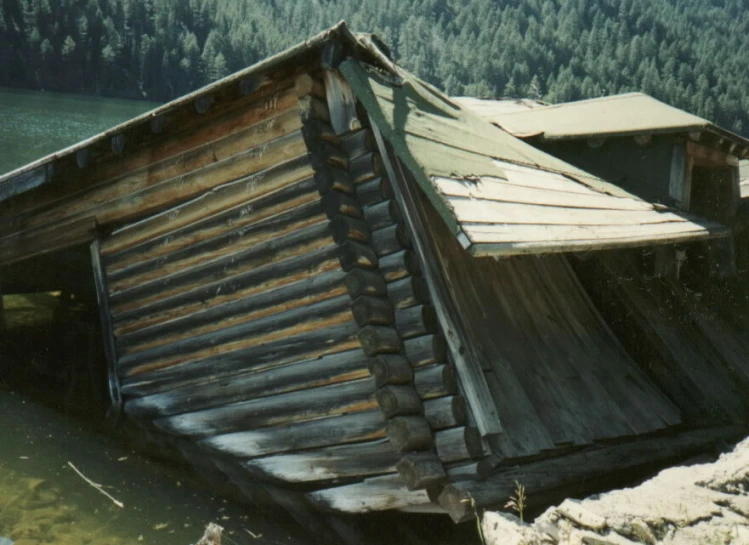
(255, 383)
(209, 325)
(26, 181)
(374, 494)
(229, 245)
(497, 189)
(341, 103)
(275, 353)
(345, 398)
(339, 462)
(328, 431)
(487, 234)
(201, 219)
(207, 295)
(247, 151)
(493, 212)
(326, 313)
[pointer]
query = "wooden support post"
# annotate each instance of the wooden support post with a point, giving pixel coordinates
(110, 350)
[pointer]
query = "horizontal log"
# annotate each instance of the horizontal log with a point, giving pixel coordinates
(390, 369)
(398, 400)
(445, 412)
(577, 469)
(206, 295)
(372, 495)
(389, 240)
(424, 350)
(365, 282)
(212, 392)
(334, 179)
(345, 398)
(194, 347)
(339, 462)
(365, 167)
(372, 311)
(356, 255)
(281, 348)
(408, 433)
(435, 381)
(303, 291)
(313, 108)
(209, 222)
(243, 258)
(415, 321)
(407, 292)
(399, 265)
(178, 179)
(210, 249)
(456, 444)
(190, 132)
(370, 193)
(281, 183)
(379, 340)
(377, 215)
(333, 430)
(357, 143)
(346, 228)
(421, 470)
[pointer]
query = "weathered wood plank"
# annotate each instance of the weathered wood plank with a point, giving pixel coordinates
(340, 462)
(207, 221)
(345, 398)
(180, 178)
(333, 430)
(48, 239)
(207, 295)
(374, 494)
(275, 353)
(497, 189)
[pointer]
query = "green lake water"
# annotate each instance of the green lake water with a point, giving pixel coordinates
(34, 124)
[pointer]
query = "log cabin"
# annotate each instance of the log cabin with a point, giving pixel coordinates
(322, 278)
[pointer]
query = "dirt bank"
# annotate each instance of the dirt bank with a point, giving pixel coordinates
(703, 504)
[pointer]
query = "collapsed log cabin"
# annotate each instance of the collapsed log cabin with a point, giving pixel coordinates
(322, 276)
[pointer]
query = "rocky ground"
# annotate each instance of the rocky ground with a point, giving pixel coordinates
(702, 504)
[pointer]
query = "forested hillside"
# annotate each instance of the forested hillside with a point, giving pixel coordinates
(690, 53)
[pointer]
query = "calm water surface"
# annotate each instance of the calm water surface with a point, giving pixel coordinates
(34, 124)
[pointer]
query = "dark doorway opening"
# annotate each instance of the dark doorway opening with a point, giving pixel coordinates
(50, 334)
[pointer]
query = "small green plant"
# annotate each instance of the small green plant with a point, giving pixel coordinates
(518, 500)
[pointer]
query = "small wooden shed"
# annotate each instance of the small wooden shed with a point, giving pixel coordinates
(323, 275)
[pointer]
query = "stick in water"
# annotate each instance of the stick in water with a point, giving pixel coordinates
(96, 486)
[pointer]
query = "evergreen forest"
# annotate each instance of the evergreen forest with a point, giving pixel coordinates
(689, 53)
